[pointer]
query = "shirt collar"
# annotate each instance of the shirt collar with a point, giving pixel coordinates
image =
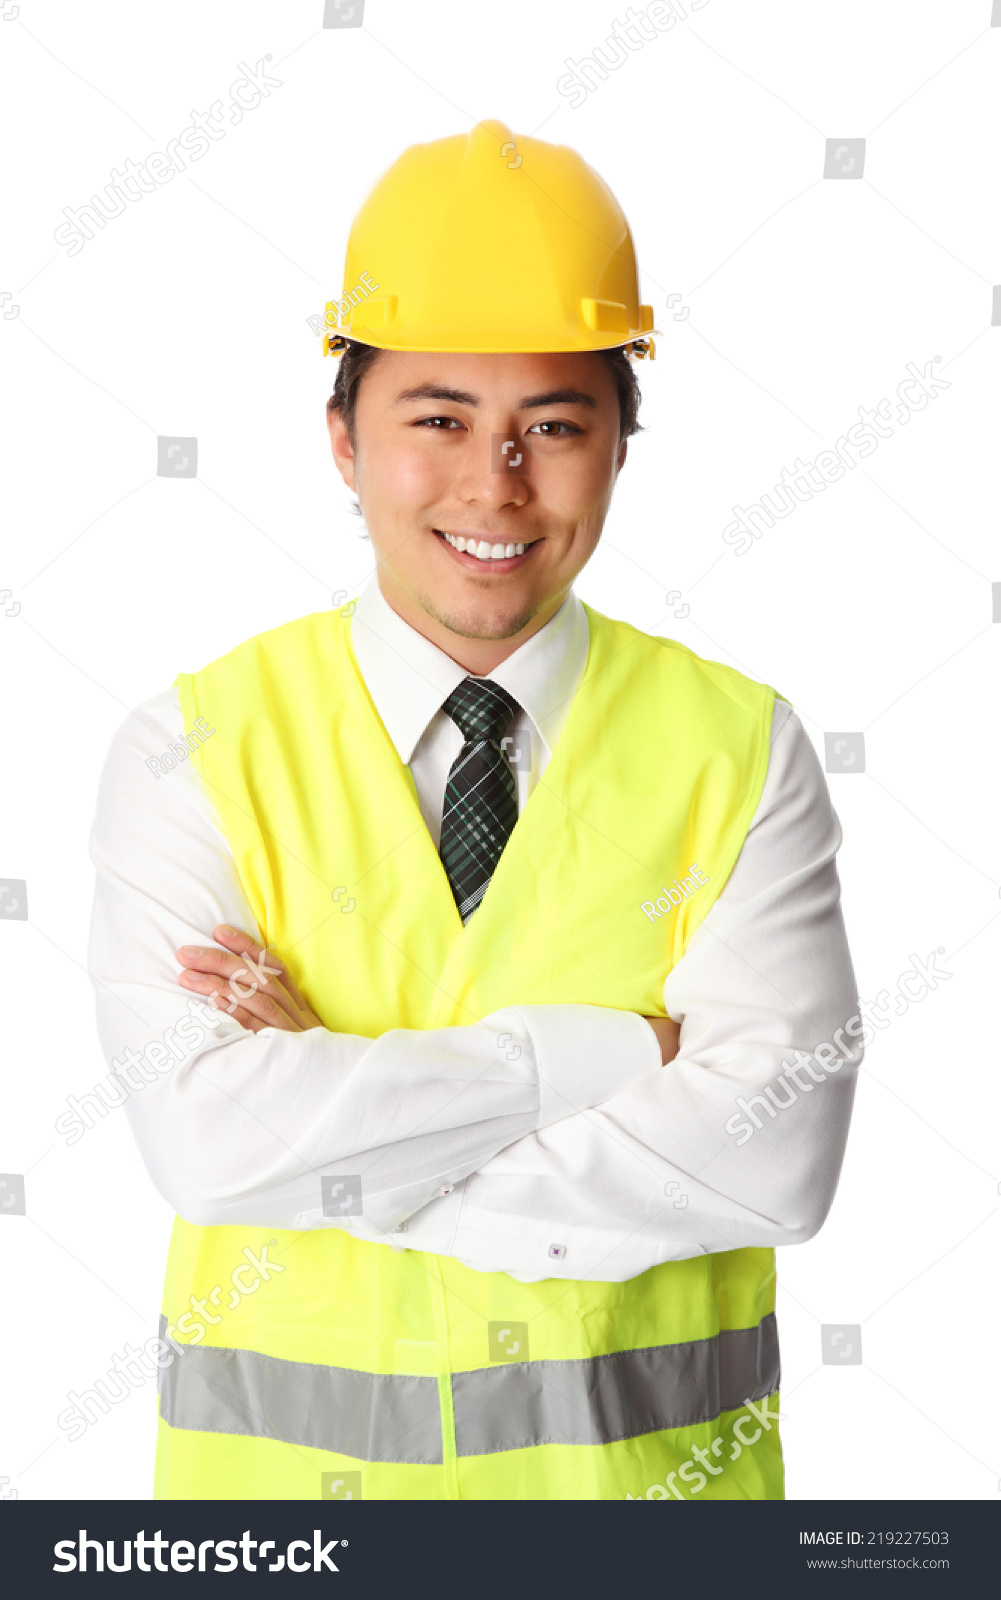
(408, 677)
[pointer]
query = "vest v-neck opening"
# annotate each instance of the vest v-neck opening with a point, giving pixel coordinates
(517, 837)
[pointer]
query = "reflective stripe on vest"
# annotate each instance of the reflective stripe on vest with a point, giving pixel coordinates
(513, 1406)
(658, 770)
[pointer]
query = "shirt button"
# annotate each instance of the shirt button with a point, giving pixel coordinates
(446, 1188)
(557, 1251)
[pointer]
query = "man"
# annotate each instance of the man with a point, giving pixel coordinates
(517, 913)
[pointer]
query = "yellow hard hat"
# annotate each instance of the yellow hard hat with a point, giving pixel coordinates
(484, 242)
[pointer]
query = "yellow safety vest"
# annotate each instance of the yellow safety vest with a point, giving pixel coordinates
(357, 1369)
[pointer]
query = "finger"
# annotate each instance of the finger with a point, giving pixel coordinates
(289, 984)
(246, 1020)
(239, 989)
(219, 1003)
(236, 940)
(244, 944)
(273, 1010)
(241, 977)
(205, 958)
(268, 967)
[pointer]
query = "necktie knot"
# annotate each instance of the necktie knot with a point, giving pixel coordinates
(480, 709)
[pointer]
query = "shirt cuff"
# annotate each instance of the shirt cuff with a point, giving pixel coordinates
(533, 1248)
(586, 1054)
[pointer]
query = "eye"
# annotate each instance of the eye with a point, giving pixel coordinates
(570, 427)
(441, 423)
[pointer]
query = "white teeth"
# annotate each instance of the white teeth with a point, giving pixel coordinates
(482, 550)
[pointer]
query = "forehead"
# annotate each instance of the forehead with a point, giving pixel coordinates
(508, 379)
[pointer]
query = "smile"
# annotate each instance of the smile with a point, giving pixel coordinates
(484, 550)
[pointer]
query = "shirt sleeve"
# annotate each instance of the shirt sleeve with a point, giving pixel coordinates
(239, 1127)
(738, 1141)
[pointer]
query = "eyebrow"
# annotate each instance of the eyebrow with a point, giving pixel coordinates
(461, 397)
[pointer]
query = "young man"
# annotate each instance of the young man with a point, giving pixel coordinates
(460, 1215)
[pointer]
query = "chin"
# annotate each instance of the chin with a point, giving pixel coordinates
(485, 619)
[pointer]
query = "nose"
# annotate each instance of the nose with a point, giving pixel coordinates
(496, 470)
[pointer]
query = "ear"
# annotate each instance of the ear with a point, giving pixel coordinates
(620, 459)
(341, 447)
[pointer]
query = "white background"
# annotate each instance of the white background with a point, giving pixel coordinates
(869, 607)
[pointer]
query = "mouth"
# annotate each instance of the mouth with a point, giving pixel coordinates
(486, 555)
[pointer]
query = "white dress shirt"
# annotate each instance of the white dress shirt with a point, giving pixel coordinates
(582, 1156)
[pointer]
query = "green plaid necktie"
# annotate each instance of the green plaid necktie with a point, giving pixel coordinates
(481, 803)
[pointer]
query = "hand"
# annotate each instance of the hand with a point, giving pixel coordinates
(668, 1037)
(237, 986)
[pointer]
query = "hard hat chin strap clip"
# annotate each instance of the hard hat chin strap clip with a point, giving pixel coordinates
(334, 344)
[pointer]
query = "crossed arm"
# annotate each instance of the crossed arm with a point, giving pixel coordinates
(260, 992)
(585, 1138)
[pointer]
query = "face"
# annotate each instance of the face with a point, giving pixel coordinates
(435, 466)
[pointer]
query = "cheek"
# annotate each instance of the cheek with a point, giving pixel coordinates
(407, 474)
(577, 489)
